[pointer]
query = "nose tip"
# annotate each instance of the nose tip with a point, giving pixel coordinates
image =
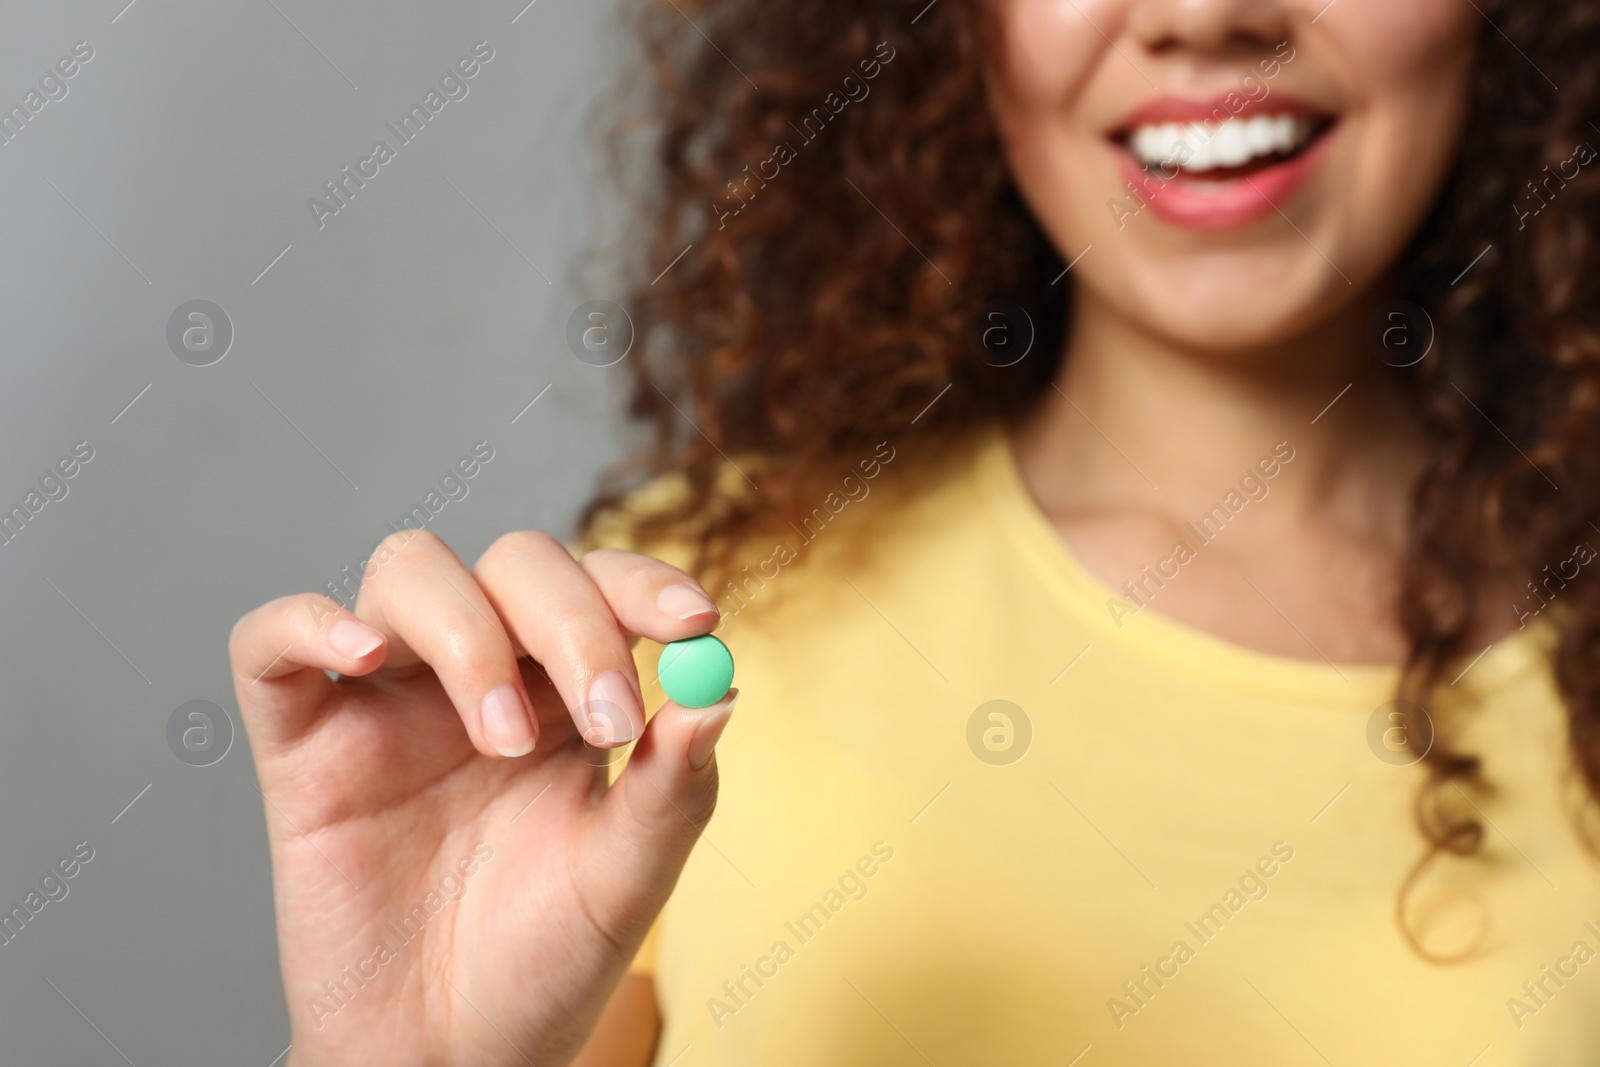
(1209, 26)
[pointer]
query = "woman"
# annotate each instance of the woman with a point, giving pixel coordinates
(1142, 452)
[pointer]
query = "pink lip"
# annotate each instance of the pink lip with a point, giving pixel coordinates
(1186, 202)
(1189, 109)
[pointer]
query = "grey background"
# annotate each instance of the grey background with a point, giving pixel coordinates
(372, 354)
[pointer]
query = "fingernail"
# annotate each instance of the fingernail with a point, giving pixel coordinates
(616, 713)
(353, 639)
(710, 728)
(506, 725)
(684, 602)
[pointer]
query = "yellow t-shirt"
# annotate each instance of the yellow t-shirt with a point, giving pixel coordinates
(1162, 849)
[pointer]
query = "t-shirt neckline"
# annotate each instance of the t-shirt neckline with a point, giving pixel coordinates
(1187, 649)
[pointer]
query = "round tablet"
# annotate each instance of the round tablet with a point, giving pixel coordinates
(697, 672)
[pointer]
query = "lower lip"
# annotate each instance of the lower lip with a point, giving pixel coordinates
(1183, 202)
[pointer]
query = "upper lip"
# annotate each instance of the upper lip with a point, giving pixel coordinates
(1197, 109)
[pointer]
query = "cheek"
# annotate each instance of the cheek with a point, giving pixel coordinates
(1047, 49)
(1415, 64)
(1404, 41)
(1047, 53)
(1417, 60)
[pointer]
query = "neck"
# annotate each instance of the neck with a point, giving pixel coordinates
(1137, 420)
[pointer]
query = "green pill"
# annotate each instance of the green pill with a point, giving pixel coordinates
(696, 673)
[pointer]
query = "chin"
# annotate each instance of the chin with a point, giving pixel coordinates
(1230, 301)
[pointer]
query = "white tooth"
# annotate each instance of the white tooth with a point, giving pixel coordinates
(1136, 143)
(1171, 137)
(1232, 144)
(1284, 132)
(1147, 146)
(1160, 146)
(1263, 133)
(1202, 148)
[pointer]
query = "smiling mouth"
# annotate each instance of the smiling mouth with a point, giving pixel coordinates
(1238, 148)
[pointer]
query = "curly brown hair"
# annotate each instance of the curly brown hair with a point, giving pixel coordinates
(831, 289)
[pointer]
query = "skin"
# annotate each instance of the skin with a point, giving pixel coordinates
(1194, 352)
(382, 785)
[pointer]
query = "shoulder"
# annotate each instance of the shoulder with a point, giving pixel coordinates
(895, 497)
(632, 522)
(672, 516)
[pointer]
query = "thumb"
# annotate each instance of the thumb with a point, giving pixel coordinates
(633, 851)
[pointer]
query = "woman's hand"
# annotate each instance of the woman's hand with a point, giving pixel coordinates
(444, 894)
